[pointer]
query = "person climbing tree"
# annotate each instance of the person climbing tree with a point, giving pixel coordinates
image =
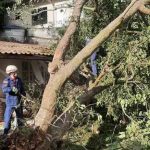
(100, 52)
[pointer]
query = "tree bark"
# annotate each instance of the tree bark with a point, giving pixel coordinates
(45, 115)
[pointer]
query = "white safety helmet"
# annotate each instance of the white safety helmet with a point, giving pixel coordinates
(11, 68)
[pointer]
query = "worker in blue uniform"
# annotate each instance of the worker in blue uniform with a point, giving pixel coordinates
(99, 52)
(13, 89)
(93, 59)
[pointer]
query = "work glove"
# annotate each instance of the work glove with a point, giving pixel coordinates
(15, 90)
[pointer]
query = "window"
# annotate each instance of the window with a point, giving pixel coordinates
(17, 16)
(27, 73)
(45, 73)
(39, 16)
(30, 76)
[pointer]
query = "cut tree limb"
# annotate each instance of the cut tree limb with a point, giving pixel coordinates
(144, 10)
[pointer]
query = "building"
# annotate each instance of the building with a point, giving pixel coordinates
(38, 23)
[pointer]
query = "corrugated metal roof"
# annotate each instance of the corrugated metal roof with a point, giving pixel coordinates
(26, 49)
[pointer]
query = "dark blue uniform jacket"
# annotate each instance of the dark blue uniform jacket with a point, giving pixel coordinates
(12, 99)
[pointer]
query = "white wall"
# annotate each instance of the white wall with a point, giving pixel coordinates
(62, 14)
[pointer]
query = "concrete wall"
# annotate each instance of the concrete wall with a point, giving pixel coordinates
(13, 34)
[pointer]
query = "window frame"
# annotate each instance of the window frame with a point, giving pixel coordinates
(39, 16)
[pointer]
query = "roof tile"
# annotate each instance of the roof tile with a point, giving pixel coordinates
(19, 48)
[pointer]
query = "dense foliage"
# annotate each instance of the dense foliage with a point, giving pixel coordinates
(119, 117)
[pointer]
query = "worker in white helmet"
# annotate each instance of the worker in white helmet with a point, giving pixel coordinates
(13, 88)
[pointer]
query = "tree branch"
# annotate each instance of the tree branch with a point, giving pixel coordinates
(144, 10)
(89, 8)
(61, 127)
(64, 42)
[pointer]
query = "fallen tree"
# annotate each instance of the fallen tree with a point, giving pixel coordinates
(60, 72)
(45, 115)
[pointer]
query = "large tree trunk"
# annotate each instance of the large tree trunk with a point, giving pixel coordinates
(45, 115)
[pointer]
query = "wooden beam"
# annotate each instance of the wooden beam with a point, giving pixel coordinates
(26, 57)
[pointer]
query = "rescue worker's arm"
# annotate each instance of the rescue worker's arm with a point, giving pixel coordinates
(5, 87)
